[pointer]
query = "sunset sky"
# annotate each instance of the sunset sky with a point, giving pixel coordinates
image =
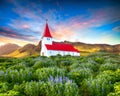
(87, 21)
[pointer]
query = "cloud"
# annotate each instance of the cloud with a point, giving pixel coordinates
(116, 29)
(63, 33)
(4, 40)
(33, 11)
(108, 15)
(13, 34)
(24, 26)
(96, 18)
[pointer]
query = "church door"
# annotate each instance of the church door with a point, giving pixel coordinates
(42, 53)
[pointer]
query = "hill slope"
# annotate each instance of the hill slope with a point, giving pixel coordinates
(31, 49)
(26, 50)
(83, 47)
(8, 48)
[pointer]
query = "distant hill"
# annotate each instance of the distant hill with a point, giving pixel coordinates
(8, 48)
(27, 50)
(31, 49)
(96, 47)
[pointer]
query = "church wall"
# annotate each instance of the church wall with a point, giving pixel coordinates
(44, 51)
(47, 40)
(62, 53)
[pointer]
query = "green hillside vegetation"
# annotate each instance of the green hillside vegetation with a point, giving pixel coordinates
(95, 75)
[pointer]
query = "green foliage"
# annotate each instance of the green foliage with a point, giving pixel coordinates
(43, 63)
(20, 88)
(16, 76)
(99, 60)
(35, 88)
(116, 90)
(79, 74)
(61, 87)
(95, 75)
(18, 66)
(101, 85)
(29, 61)
(3, 87)
(10, 93)
(109, 66)
(44, 73)
(117, 74)
(55, 87)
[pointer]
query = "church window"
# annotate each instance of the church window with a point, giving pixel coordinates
(48, 38)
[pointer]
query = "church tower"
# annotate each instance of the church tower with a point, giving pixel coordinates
(46, 39)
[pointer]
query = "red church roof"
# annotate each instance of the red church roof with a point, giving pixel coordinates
(47, 32)
(61, 47)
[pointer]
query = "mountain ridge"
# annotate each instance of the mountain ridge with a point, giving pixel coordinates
(31, 49)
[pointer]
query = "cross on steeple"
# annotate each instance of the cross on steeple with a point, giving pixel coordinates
(46, 20)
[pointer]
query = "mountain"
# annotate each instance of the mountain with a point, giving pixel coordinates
(31, 49)
(27, 50)
(8, 48)
(83, 47)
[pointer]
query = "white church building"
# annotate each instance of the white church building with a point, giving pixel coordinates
(51, 48)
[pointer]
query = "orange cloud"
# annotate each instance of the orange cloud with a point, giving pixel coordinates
(13, 35)
(25, 26)
(5, 40)
(63, 33)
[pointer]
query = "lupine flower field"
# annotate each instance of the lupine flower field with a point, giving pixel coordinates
(93, 75)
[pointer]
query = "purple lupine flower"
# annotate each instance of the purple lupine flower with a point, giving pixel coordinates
(51, 78)
(56, 79)
(16, 71)
(1, 73)
(89, 84)
(29, 74)
(5, 75)
(66, 79)
(12, 76)
(59, 92)
(60, 79)
(103, 89)
(109, 82)
(97, 86)
(70, 81)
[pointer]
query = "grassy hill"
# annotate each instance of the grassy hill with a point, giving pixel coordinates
(26, 50)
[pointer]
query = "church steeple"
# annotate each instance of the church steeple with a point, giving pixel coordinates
(47, 31)
(47, 37)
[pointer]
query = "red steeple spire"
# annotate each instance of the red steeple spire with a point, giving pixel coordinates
(47, 31)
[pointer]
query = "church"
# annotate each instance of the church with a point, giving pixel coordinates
(51, 48)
